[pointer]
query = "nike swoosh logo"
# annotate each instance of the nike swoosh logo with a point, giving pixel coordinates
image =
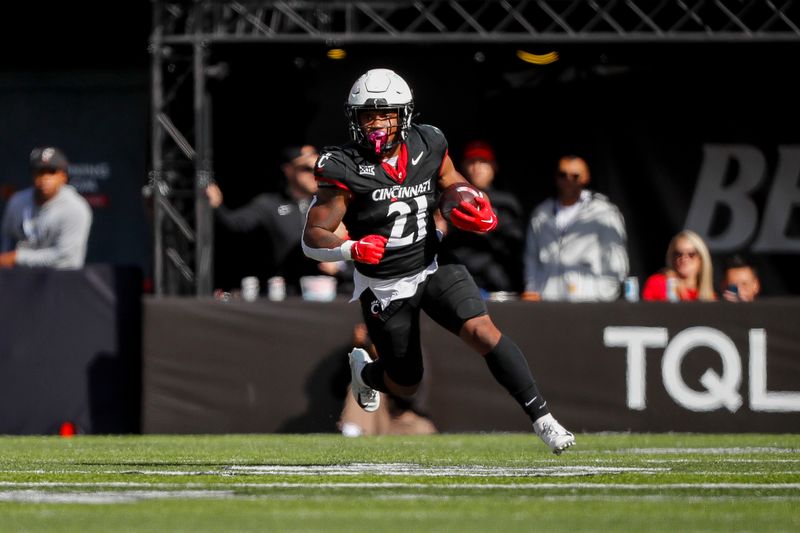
(531, 401)
(416, 159)
(489, 222)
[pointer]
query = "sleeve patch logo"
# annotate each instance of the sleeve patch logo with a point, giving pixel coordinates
(324, 157)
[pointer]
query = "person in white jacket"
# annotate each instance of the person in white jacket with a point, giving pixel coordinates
(576, 242)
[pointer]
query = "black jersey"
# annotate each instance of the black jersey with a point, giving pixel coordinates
(397, 203)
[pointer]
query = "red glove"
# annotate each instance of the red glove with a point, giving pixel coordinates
(369, 249)
(470, 218)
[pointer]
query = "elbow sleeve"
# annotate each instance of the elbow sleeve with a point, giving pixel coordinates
(326, 255)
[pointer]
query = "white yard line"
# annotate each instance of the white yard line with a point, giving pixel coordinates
(127, 496)
(382, 469)
(701, 451)
(413, 485)
(133, 496)
(407, 469)
(721, 460)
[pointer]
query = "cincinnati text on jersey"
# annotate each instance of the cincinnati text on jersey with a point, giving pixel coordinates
(398, 192)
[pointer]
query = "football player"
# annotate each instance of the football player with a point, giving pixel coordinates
(384, 185)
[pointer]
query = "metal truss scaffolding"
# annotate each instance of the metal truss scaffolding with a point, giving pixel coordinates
(184, 31)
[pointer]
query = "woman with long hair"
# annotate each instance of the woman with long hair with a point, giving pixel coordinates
(689, 265)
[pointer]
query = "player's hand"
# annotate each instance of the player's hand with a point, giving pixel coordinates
(369, 249)
(470, 218)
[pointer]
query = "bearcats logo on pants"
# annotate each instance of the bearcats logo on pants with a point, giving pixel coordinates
(375, 308)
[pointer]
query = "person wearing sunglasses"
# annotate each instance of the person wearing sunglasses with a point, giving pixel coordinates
(48, 224)
(280, 215)
(688, 274)
(576, 241)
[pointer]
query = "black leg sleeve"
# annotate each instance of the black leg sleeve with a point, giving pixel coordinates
(511, 370)
(372, 375)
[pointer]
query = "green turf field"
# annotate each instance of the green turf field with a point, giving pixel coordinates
(462, 483)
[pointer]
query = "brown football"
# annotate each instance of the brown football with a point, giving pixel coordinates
(455, 194)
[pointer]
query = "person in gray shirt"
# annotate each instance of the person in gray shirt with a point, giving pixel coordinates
(48, 224)
(576, 247)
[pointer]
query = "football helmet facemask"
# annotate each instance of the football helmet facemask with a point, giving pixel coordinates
(379, 89)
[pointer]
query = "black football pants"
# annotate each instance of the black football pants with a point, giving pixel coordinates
(449, 296)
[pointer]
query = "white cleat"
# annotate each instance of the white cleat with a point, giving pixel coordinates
(553, 434)
(369, 399)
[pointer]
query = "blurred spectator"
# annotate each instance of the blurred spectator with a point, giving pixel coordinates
(395, 416)
(281, 215)
(495, 258)
(740, 281)
(576, 242)
(6, 191)
(48, 224)
(689, 265)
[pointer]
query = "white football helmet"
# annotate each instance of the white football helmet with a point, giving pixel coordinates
(379, 88)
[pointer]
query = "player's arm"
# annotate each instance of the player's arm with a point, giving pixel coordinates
(448, 174)
(323, 221)
(324, 217)
(466, 216)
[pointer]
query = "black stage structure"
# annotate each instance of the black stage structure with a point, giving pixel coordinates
(194, 43)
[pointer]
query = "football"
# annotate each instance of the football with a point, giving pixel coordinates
(454, 195)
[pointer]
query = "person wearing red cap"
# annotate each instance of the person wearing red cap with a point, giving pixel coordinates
(494, 259)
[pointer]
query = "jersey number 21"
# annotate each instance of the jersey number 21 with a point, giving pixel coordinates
(403, 210)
